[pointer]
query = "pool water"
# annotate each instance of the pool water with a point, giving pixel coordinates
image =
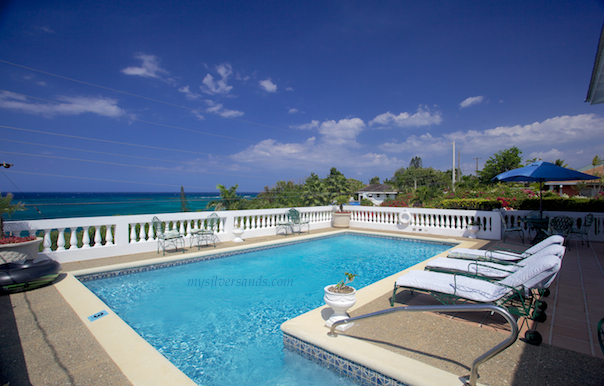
(219, 320)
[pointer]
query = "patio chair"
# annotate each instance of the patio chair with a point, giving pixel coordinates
(513, 292)
(167, 237)
(583, 231)
(488, 269)
(601, 334)
(297, 222)
(560, 225)
(511, 229)
(502, 254)
(207, 233)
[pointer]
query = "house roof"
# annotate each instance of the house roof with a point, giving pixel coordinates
(589, 169)
(377, 188)
(595, 94)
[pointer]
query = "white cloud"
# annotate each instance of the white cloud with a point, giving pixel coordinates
(220, 86)
(268, 85)
(314, 124)
(471, 101)
(289, 89)
(423, 117)
(149, 68)
(188, 93)
(217, 108)
(422, 145)
(549, 156)
(68, 106)
(293, 111)
(343, 132)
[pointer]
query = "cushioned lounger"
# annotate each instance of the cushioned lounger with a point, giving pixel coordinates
(478, 290)
(490, 269)
(467, 253)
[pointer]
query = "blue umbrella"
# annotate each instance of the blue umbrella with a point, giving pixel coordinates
(540, 172)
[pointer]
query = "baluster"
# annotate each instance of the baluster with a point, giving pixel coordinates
(109, 235)
(61, 239)
(182, 228)
(98, 240)
(151, 233)
(73, 239)
(132, 233)
(141, 233)
(86, 238)
(47, 241)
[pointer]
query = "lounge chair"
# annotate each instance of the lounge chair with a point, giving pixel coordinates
(504, 255)
(167, 237)
(513, 292)
(583, 231)
(491, 269)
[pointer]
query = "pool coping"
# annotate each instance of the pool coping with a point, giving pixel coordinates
(126, 347)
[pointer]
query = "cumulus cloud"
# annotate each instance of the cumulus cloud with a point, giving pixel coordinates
(550, 156)
(423, 145)
(211, 86)
(293, 111)
(268, 85)
(217, 108)
(289, 89)
(149, 68)
(471, 101)
(68, 106)
(342, 132)
(423, 117)
(188, 93)
(314, 124)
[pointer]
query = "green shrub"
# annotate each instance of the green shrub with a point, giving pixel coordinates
(470, 204)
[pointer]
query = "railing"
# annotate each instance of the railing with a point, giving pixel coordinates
(74, 239)
(451, 308)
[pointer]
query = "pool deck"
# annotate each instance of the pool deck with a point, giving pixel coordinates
(47, 340)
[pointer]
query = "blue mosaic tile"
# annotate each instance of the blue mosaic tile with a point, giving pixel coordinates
(359, 373)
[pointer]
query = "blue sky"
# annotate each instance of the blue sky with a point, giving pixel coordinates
(154, 95)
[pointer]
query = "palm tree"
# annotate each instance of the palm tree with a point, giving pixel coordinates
(560, 162)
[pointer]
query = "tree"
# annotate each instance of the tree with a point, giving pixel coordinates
(313, 192)
(596, 161)
(184, 204)
(374, 180)
(502, 161)
(416, 162)
(228, 198)
(561, 163)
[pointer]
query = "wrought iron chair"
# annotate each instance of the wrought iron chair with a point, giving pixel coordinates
(560, 225)
(511, 229)
(297, 222)
(208, 233)
(583, 231)
(167, 237)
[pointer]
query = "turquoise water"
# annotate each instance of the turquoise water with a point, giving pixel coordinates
(218, 320)
(67, 205)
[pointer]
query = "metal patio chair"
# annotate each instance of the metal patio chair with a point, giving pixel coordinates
(208, 233)
(511, 229)
(167, 237)
(560, 225)
(583, 231)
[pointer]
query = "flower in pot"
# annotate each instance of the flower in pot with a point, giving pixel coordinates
(341, 219)
(340, 297)
(15, 248)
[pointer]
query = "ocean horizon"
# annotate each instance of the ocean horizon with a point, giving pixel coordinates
(49, 205)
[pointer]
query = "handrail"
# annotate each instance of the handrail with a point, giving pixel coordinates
(452, 308)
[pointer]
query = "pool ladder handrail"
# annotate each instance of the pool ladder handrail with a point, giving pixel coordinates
(451, 308)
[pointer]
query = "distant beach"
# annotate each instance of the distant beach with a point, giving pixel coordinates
(66, 205)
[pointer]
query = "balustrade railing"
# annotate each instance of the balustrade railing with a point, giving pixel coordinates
(74, 239)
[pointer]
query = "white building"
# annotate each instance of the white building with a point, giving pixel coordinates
(377, 193)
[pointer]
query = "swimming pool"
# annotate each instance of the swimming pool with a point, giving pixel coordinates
(218, 320)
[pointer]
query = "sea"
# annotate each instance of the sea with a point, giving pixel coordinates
(39, 206)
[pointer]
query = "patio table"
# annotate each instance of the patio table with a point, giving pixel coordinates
(540, 225)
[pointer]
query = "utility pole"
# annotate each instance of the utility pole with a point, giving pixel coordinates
(476, 158)
(459, 166)
(453, 179)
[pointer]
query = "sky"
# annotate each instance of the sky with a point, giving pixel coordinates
(149, 96)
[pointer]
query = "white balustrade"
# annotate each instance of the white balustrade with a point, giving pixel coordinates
(121, 236)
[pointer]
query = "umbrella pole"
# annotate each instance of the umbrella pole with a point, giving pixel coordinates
(541, 199)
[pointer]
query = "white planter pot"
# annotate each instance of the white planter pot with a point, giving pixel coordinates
(19, 251)
(339, 303)
(238, 232)
(473, 229)
(341, 220)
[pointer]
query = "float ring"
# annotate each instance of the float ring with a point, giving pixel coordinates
(405, 217)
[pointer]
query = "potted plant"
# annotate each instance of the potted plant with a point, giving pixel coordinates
(340, 297)
(341, 219)
(14, 248)
(473, 228)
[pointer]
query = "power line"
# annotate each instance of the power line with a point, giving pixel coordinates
(140, 120)
(140, 96)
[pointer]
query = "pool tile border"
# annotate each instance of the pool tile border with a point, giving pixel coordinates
(220, 255)
(359, 373)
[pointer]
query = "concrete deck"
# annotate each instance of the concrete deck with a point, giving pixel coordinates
(45, 342)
